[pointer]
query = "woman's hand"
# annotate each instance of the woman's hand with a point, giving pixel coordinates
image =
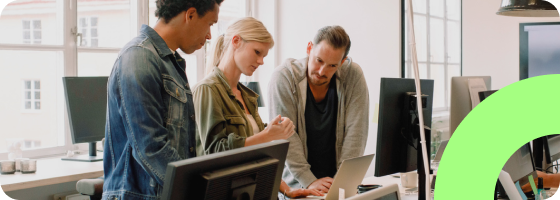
(277, 130)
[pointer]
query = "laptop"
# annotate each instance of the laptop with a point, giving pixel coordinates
(350, 174)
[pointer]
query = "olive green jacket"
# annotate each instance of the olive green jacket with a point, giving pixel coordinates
(221, 121)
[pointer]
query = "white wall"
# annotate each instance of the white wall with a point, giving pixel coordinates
(374, 29)
(491, 42)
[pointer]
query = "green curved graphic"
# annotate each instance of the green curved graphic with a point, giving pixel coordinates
(492, 132)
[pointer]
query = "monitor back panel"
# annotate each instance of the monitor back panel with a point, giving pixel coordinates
(86, 101)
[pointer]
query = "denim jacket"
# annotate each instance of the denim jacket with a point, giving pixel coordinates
(150, 118)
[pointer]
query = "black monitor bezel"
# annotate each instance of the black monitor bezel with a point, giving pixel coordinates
(180, 174)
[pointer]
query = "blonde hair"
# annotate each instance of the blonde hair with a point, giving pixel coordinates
(248, 28)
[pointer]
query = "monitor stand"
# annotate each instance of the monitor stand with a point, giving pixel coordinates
(421, 173)
(92, 157)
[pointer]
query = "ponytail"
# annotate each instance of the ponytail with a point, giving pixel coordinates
(216, 54)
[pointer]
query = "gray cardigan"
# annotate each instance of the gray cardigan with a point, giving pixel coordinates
(287, 97)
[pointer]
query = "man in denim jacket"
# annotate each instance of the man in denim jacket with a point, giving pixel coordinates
(150, 112)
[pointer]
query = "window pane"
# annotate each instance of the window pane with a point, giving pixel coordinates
(37, 105)
(454, 42)
(95, 64)
(437, 73)
(37, 95)
(422, 70)
(94, 32)
(436, 8)
(436, 40)
(36, 24)
(37, 85)
(48, 124)
(421, 37)
(418, 6)
(26, 24)
(28, 95)
(94, 21)
(112, 19)
(37, 35)
(20, 16)
(26, 35)
(453, 9)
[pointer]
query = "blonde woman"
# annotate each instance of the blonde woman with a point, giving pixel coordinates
(226, 111)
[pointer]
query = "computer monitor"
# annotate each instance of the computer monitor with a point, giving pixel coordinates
(86, 104)
(398, 133)
(461, 103)
(390, 192)
(553, 144)
(395, 150)
(485, 94)
(519, 166)
(252, 172)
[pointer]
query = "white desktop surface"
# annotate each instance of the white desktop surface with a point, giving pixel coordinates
(385, 181)
(389, 180)
(52, 171)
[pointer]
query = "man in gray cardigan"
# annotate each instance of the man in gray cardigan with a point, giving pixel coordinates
(326, 96)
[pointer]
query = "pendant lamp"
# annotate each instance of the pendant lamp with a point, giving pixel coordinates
(527, 8)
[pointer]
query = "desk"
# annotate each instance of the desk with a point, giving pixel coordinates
(51, 171)
(389, 180)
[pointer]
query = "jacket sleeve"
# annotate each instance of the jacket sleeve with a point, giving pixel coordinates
(357, 113)
(141, 107)
(282, 101)
(211, 134)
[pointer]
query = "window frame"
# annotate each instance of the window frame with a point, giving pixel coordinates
(405, 62)
(70, 49)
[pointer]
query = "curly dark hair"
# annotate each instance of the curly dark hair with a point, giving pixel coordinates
(167, 9)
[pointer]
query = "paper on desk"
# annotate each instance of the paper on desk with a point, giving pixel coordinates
(476, 85)
(532, 183)
(510, 188)
(523, 196)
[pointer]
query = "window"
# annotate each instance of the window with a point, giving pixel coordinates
(34, 42)
(437, 25)
(32, 95)
(88, 28)
(31, 31)
(230, 10)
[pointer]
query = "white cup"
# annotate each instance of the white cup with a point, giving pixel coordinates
(409, 179)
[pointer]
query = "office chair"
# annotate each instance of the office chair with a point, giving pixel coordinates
(92, 187)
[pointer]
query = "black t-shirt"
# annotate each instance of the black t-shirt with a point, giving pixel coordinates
(320, 125)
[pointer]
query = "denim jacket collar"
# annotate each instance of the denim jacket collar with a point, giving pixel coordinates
(159, 43)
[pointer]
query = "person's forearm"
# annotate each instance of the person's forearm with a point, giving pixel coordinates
(552, 181)
(255, 139)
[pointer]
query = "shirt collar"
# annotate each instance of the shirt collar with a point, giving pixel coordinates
(160, 45)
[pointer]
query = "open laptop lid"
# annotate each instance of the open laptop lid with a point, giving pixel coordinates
(350, 174)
